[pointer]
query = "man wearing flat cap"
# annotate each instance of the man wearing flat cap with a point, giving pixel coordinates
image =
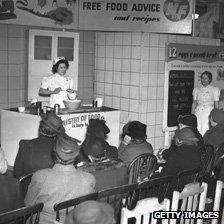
(137, 145)
(61, 182)
(215, 135)
(35, 154)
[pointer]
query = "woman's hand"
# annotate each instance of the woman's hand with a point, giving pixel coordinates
(57, 90)
(70, 90)
(160, 153)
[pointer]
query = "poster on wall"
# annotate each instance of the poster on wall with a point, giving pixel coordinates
(183, 68)
(163, 16)
(53, 13)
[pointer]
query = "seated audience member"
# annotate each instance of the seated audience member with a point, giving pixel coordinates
(215, 135)
(35, 154)
(60, 183)
(189, 121)
(134, 143)
(187, 155)
(220, 174)
(10, 197)
(91, 212)
(94, 150)
(97, 129)
(125, 130)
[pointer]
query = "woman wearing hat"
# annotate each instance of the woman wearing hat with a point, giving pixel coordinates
(187, 155)
(61, 182)
(215, 135)
(190, 121)
(137, 145)
(35, 154)
(58, 85)
(205, 98)
(95, 146)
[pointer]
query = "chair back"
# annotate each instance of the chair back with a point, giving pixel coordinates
(217, 200)
(158, 187)
(219, 157)
(24, 183)
(186, 177)
(23, 215)
(193, 198)
(142, 167)
(208, 157)
(118, 197)
(144, 211)
(72, 203)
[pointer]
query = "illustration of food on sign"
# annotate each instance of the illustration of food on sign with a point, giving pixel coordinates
(7, 10)
(49, 9)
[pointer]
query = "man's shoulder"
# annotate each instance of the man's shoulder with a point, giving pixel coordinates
(39, 174)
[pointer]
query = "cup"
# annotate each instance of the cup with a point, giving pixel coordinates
(99, 102)
(21, 109)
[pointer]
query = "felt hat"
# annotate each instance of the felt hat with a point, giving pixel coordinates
(91, 212)
(97, 126)
(137, 130)
(57, 59)
(94, 147)
(217, 116)
(189, 120)
(66, 147)
(54, 122)
(186, 135)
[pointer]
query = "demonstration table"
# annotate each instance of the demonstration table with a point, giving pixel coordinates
(16, 126)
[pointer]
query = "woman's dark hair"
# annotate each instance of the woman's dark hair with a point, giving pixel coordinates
(55, 66)
(46, 130)
(209, 74)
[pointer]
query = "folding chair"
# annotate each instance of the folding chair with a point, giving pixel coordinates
(158, 187)
(113, 196)
(144, 210)
(72, 203)
(186, 177)
(142, 167)
(24, 183)
(217, 201)
(193, 198)
(23, 215)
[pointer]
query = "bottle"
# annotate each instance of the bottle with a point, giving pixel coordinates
(44, 109)
(56, 108)
(38, 107)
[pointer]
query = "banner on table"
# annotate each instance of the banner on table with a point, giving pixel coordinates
(183, 68)
(164, 16)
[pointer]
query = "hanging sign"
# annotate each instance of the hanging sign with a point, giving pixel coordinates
(163, 16)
